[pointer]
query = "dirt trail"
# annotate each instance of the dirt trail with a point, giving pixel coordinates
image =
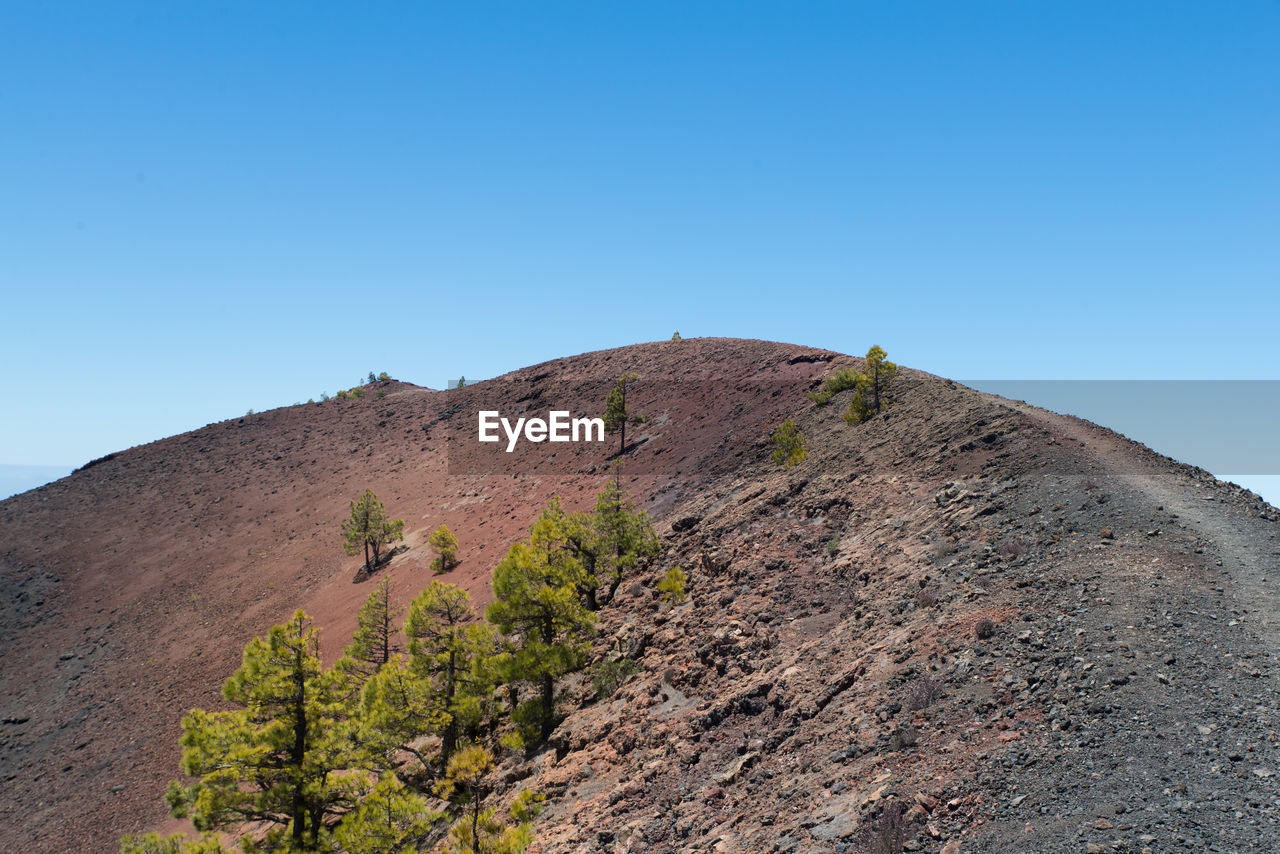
(1173, 746)
(1248, 551)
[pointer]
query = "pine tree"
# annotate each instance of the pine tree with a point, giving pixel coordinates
(444, 687)
(616, 414)
(579, 536)
(625, 537)
(397, 708)
(374, 642)
(445, 545)
(368, 528)
(446, 648)
(537, 602)
(390, 819)
(872, 389)
(480, 830)
(273, 759)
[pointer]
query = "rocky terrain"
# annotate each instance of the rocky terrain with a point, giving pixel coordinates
(1018, 630)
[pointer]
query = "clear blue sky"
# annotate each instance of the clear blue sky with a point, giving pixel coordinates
(210, 207)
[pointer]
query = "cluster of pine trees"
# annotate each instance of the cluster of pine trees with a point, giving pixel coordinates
(389, 749)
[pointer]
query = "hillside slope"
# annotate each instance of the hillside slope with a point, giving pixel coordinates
(1125, 695)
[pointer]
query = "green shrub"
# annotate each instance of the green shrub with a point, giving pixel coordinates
(672, 586)
(788, 444)
(608, 675)
(836, 383)
(384, 376)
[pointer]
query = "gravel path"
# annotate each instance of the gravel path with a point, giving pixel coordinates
(1163, 709)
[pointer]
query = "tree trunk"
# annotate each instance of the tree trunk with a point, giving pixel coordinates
(548, 684)
(449, 738)
(548, 705)
(298, 752)
(316, 817)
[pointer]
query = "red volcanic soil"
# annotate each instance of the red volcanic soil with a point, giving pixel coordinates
(1028, 632)
(131, 587)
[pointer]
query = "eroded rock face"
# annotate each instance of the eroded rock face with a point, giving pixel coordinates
(954, 613)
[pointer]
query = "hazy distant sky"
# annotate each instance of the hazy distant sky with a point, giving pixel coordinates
(207, 208)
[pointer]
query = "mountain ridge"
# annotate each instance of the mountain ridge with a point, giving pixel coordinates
(132, 585)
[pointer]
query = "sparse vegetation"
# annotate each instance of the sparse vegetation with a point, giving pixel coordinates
(676, 336)
(383, 377)
(942, 551)
(887, 834)
(608, 675)
(922, 692)
(1013, 548)
(833, 547)
(369, 528)
(445, 545)
(672, 586)
(788, 445)
(836, 383)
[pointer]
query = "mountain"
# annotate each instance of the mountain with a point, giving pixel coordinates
(1030, 633)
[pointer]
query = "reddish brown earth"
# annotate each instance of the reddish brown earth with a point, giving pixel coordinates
(1125, 701)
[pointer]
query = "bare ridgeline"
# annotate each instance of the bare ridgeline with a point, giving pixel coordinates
(962, 624)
